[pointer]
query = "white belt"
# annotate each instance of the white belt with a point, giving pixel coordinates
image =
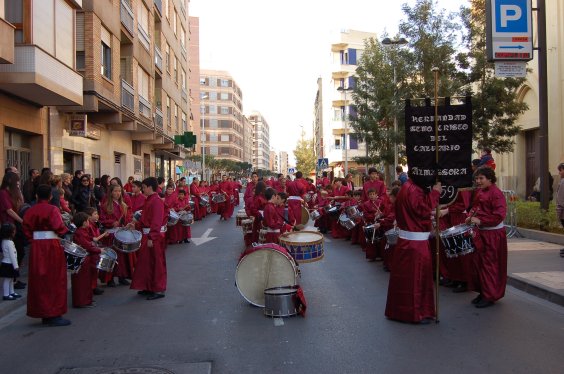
(41, 235)
(113, 230)
(146, 230)
(413, 235)
(500, 226)
(272, 230)
(261, 212)
(295, 198)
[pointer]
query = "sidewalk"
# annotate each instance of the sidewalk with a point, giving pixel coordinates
(534, 266)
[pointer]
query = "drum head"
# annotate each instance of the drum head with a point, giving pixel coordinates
(109, 253)
(301, 237)
(128, 236)
(305, 216)
(73, 249)
(263, 268)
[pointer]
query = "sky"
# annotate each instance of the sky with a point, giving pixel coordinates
(276, 50)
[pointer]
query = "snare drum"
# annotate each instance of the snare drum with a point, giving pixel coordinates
(315, 214)
(304, 246)
(186, 218)
(247, 225)
(107, 260)
(264, 266)
(332, 210)
(241, 215)
(219, 198)
(371, 234)
(457, 240)
(392, 236)
(281, 301)
(74, 254)
(127, 240)
(346, 222)
(204, 200)
(353, 212)
(173, 218)
(262, 235)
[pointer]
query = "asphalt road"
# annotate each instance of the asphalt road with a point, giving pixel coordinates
(205, 325)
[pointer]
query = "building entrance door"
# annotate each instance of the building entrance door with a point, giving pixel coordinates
(532, 169)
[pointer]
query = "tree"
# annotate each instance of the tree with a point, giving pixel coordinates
(496, 106)
(305, 155)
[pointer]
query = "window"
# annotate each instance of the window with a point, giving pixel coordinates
(337, 143)
(106, 67)
(165, 8)
(213, 82)
(80, 56)
(224, 137)
(143, 17)
(182, 37)
(213, 151)
(353, 141)
(213, 137)
(202, 81)
(183, 78)
(168, 113)
(213, 123)
(213, 95)
(224, 110)
(176, 118)
(224, 83)
(174, 21)
(184, 123)
(224, 96)
(175, 70)
(213, 109)
(167, 57)
(143, 83)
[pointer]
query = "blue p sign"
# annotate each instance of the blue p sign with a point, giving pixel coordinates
(511, 16)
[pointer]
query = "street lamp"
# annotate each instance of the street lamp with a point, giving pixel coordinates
(203, 136)
(343, 89)
(395, 42)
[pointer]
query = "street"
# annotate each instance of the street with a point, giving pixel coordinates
(204, 325)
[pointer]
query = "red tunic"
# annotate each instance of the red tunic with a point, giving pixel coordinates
(410, 289)
(372, 212)
(179, 232)
(195, 194)
(259, 201)
(491, 245)
(47, 288)
(376, 185)
(273, 221)
(225, 209)
(248, 196)
(126, 261)
(296, 189)
(137, 202)
(83, 280)
(150, 271)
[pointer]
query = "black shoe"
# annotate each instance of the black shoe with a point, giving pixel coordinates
(144, 293)
(111, 283)
(124, 282)
(186, 241)
(484, 303)
(97, 291)
(446, 282)
(87, 306)
(477, 299)
(20, 285)
(56, 321)
(16, 295)
(9, 297)
(425, 321)
(460, 288)
(155, 296)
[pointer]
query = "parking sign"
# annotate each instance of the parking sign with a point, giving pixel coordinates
(509, 30)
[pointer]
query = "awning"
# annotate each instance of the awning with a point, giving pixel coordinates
(170, 155)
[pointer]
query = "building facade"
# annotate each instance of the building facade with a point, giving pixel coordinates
(283, 157)
(38, 78)
(333, 137)
(247, 140)
(223, 123)
(274, 162)
(194, 80)
(261, 141)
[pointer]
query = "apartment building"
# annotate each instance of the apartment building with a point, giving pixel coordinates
(223, 122)
(274, 164)
(38, 77)
(334, 139)
(261, 141)
(132, 55)
(247, 140)
(283, 159)
(194, 80)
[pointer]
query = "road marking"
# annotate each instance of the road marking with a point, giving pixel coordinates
(204, 239)
(278, 322)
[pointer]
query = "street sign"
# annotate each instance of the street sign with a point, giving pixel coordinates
(322, 163)
(291, 170)
(510, 69)
(509, 30)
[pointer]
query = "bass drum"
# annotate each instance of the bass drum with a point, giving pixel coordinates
(261, 267)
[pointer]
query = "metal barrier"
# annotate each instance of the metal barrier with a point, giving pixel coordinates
(511, 216)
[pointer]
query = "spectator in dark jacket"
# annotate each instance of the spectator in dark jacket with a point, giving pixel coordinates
(81, 195)
(28, 189)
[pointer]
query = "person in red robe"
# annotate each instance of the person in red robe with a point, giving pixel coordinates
(82, 280)
(410, 288)
(373, 183)
(195, 195)
(339, 197)
(94, 232)
(322, 202)
(373, 210)
(488, 213)
(323, 181)
(296, 190)
(114, 214)
(273, 222)
(249, 193)
(137, 198)
(47, 279)
(225, 209)
(257, 210)
(128, 187)
(213, 189)
(204, 192)
(179, 233)
(150, 275)
(388, 222)
(237, 187)
(357, 233)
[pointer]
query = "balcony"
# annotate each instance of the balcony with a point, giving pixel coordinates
(144, 38)
(144, 107)
(184, 94)
(40, 78)
(159, 6)
(126, 15)
(158, 119)
(158, 59)
(127, 96)
(6, 42)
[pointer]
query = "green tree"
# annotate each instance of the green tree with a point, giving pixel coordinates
(496, 106)
(305, 155)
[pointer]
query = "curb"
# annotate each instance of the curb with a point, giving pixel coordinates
(532, 289)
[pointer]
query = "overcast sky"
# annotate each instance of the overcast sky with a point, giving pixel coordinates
(276, 50)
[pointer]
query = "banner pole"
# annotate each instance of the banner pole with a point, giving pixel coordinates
(437, 211)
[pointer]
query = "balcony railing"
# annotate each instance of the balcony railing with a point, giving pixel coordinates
(127, 96)
(183, 51)
(144, 38)
(126, 16)
(159, 5)
(158, 59)
(144, 107)
(158, 119)
(184, 95)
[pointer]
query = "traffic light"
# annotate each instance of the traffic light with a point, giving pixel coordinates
(188, 139)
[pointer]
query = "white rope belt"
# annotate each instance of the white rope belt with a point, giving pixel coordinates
(146, 230)
(272, 230)
(42, 235)
(413, 235)
(500, 226)
(295, 198)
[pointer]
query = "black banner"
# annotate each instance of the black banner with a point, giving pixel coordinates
(454, 142)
